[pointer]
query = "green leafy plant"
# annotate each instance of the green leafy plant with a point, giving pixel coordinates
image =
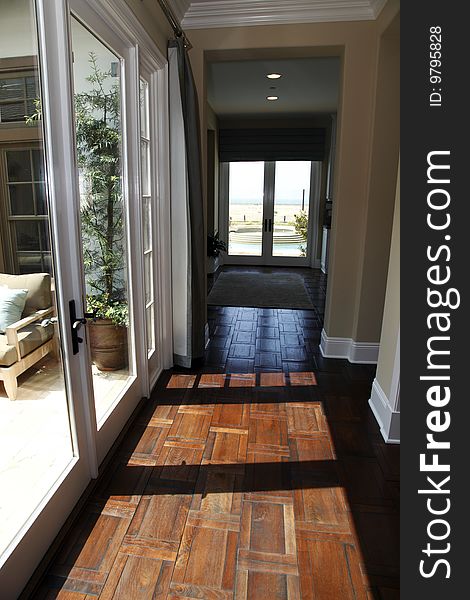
(98, 137)
(214, 245)
(301, 228)
(100, 305)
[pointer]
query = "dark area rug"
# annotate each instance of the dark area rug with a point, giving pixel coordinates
(260, 290)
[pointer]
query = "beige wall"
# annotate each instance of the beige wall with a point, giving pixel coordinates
(360, 128)
(381, 191)
(391, 316)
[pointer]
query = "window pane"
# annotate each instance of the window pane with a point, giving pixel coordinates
(291, 204)
(30, 263)
(146, 210)
(44, 235)
(148, 278)
(38, 165)
(41, 205)
(149, 317)
(144, 116)
(98, 125)
(12, 89)
(21, 199)
(12, 112)
(145, 161)
(146, 183)
(27, 235)
(35, 430)
(246, 186)
(19, 165)
(31, 84)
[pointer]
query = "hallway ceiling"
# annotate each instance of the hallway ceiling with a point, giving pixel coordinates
(197, 14)
(308, 86)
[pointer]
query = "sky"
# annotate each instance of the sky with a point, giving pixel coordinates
(247, 178)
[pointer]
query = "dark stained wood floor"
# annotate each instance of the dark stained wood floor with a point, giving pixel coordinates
(261, 475)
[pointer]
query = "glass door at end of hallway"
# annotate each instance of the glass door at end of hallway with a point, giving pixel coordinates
(266, 212)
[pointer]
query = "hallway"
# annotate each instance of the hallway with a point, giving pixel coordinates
(252, 477)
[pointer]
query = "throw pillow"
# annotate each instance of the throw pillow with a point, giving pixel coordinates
(11, 306)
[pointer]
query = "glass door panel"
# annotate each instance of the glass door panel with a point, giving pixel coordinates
(246, 192)
(147, 216)
(98, 121)
(291, 208)
(36, 440)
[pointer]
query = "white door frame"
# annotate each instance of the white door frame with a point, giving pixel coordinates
(100, 21)
(91, 445)
(33, 540)
(311, 260)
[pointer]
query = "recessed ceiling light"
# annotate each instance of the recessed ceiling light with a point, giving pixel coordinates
(274, 76)
(272, 97)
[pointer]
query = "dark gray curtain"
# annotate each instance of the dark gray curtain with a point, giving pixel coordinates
(195, 286)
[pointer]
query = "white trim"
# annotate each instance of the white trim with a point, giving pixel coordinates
(377, 6)
(207, 335)
(364, 352)
(164, 287)
(119, 16)
(347, 348)
(387, 418)
(228, 13)
(31, 542)
(179, 8)
(395, 386)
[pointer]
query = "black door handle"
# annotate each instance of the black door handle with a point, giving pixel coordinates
(75, 325)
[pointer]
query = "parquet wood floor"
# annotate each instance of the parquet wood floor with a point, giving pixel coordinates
(250, 478)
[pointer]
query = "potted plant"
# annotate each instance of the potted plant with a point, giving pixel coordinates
(102, 217)
(301, 228)
(214, 247)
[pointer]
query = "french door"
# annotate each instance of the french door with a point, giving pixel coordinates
(266, 208)
(110, 307)
(79, 211)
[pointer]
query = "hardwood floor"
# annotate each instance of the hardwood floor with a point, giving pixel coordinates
(261, 475)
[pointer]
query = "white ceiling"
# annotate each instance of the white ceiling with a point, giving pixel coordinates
(195, 14)
(308, 86)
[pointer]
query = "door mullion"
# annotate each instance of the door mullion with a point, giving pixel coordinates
(268, 210)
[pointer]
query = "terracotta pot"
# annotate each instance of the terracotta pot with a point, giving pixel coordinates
(108, 343)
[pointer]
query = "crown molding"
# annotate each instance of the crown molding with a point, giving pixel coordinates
(179, 8)
(232, 13)
(377, 6)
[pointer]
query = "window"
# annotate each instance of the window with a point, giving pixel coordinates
(147, 215)
(27, 230)
(18, 93)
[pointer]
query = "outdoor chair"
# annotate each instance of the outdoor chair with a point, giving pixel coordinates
(29, 339)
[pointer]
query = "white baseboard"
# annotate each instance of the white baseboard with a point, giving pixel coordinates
(355, 352)
(387, 418)
(206, 335)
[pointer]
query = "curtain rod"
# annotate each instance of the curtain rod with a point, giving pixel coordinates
(170, 15)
